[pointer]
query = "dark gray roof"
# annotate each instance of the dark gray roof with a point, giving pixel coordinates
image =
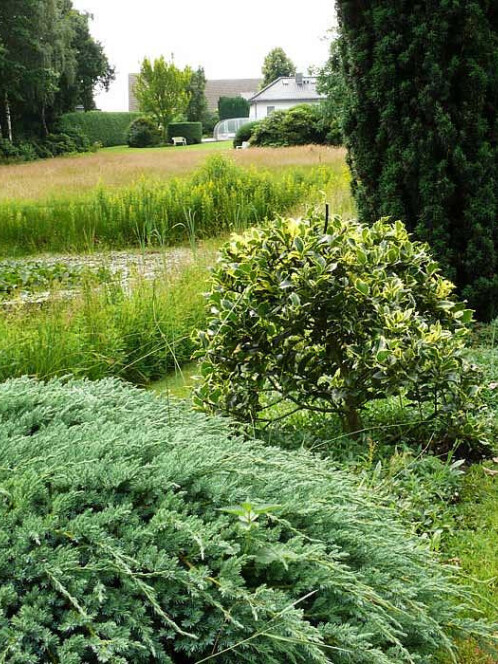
(224, 87)
(286, 88)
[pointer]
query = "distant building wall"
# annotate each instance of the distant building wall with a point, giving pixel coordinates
(260, 109)
(132, 100)
(284, 93)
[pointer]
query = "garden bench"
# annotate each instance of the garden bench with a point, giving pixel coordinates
(179, 140)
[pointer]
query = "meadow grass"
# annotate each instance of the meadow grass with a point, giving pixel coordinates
(220, 197)
(122, 166)
(474, 547)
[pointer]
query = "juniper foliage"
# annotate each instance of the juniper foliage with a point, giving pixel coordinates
(134, 531)
(421, 126)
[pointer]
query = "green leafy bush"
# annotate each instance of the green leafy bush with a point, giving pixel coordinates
(137, 532)
(100, 127)
(143, 133)
(333, 320)
(301, 125)
(79, 139)
(192, 131)
(244, 133)
(59, 144)
(209, 122)
(53, 145)
(10, 152)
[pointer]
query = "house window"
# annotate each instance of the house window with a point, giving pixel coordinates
(269, 110)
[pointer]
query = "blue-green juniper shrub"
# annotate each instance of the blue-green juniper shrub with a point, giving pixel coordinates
(138, 531)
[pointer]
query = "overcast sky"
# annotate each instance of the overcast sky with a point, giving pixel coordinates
(228, 38)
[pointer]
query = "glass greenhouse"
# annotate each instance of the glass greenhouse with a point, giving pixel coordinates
(226, 129)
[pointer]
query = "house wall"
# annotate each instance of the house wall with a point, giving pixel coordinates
(259, 109)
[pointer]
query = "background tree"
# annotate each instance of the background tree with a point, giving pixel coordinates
(331, 83)
(20, 59)
(48, 64)
(197, 105)
(92, 69)
(233, 107)
(277, 64)
(422, 128)
(161, 91)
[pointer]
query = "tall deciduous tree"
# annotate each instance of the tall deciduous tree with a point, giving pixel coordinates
(91, 70)
(48, 64)
(20, 59)
(161, 90)
(422, 128)
(277, 64)
(197, 105)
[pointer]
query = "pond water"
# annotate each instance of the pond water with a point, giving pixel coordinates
(178, 384)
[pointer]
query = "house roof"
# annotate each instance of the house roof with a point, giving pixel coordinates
(224, 87)
(286, 88)
(230, 87)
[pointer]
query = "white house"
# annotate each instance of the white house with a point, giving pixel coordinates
(284, 93)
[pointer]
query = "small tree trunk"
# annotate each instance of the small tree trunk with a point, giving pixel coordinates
(352, 420)
(44, 120)
(8, 118)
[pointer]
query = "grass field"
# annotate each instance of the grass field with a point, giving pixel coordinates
(220, 196)
(117, 167)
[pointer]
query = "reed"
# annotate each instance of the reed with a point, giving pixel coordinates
(138, 333)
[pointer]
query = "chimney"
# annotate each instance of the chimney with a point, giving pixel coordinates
(299, 79)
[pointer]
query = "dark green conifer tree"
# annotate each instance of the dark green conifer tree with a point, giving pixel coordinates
(421, 126)
(197, 105)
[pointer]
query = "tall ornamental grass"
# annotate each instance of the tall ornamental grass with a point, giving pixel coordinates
(138, 333)
(133, 531)
(218, 198)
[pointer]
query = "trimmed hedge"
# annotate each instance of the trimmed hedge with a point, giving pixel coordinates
(136, 531)
(100, 127)
(192, 131)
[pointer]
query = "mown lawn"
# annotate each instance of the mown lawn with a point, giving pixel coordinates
(208, 145)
